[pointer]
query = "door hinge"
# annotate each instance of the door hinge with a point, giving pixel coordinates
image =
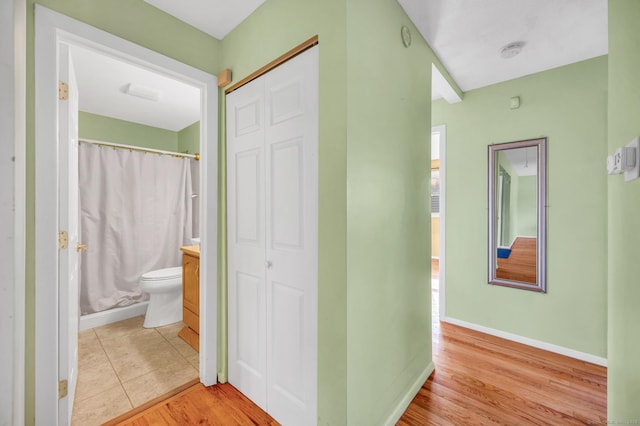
(63, 91)
(63, 388)
(63, 239)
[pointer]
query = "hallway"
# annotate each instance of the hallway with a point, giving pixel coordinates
(482, 379)
(479, 379)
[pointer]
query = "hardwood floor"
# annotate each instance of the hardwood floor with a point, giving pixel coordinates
(221, 404)
(482, 379)
(479, 379)
(521, 263)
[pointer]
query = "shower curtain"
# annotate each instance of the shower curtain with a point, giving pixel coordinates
(135, 214)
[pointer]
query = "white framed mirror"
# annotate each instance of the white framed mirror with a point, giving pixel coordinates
(517, 214)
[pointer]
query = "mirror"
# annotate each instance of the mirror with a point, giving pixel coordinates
(517, 214)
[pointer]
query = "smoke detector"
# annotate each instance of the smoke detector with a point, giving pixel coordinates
(511, 49)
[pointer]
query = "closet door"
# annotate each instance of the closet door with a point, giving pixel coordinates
(291, 158)
(272, 181)
(246, 242)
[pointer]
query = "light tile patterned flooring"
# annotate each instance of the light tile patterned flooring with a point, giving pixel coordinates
(123, 365)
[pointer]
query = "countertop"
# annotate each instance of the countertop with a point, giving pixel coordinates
(192, 250)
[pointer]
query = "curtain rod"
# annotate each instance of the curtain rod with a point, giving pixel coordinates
(139, 149)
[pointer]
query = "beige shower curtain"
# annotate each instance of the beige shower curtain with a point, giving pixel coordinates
(135, 213)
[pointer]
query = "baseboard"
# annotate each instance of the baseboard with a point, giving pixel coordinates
(411, 393)
(582, 356)
(112, 315)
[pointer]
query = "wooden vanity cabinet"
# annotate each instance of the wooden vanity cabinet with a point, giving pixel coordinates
(191, 296)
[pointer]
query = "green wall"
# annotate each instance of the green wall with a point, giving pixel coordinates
(374, 301)
(388, 218)
(140, 23)
(189, 139)
(624, 220)
(569, 106)
(276, 27)
(392, 297)
(527, 212)
(106, 129)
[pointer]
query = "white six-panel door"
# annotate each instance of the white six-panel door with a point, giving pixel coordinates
(69, 275)
(272, 182)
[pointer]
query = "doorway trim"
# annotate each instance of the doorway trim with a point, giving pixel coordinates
(51, 29)
(442, 131)
(13, 18)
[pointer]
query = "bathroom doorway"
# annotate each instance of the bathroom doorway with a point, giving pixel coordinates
(57, 323)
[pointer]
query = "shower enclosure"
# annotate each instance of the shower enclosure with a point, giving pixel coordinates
(136, 211)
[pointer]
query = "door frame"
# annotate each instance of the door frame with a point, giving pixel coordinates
(13, 36)
(51, 29)
(442, 130)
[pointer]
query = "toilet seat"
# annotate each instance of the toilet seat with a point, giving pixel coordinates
(163, 274)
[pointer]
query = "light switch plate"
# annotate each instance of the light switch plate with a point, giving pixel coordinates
(635, 172)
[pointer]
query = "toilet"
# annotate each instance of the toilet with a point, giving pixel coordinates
(165, 296)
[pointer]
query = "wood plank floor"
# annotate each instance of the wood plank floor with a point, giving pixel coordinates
(482, 379)
(479, 379)
(521, 263)
(199, 405)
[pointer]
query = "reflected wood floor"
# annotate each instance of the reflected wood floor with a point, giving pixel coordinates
(521, 263)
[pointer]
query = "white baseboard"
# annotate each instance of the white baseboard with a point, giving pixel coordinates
(582, 356)
(112, 315)
(411, 393)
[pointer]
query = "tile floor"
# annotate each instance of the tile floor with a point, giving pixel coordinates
(123, 365)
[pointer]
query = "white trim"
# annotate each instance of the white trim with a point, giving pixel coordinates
(110, 316)
(572, 353)
(51, 29)
(20, 203)
(442, 130)
(405, 401)
(12, 209)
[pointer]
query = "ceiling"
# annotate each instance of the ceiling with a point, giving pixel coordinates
(523, 160)
(466, 35)
(102, 81)
(214, 17)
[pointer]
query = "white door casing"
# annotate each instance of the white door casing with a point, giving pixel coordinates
(68, 213)
(272, 160)
(52, 30)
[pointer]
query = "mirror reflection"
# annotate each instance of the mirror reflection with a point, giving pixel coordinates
(516, 215)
